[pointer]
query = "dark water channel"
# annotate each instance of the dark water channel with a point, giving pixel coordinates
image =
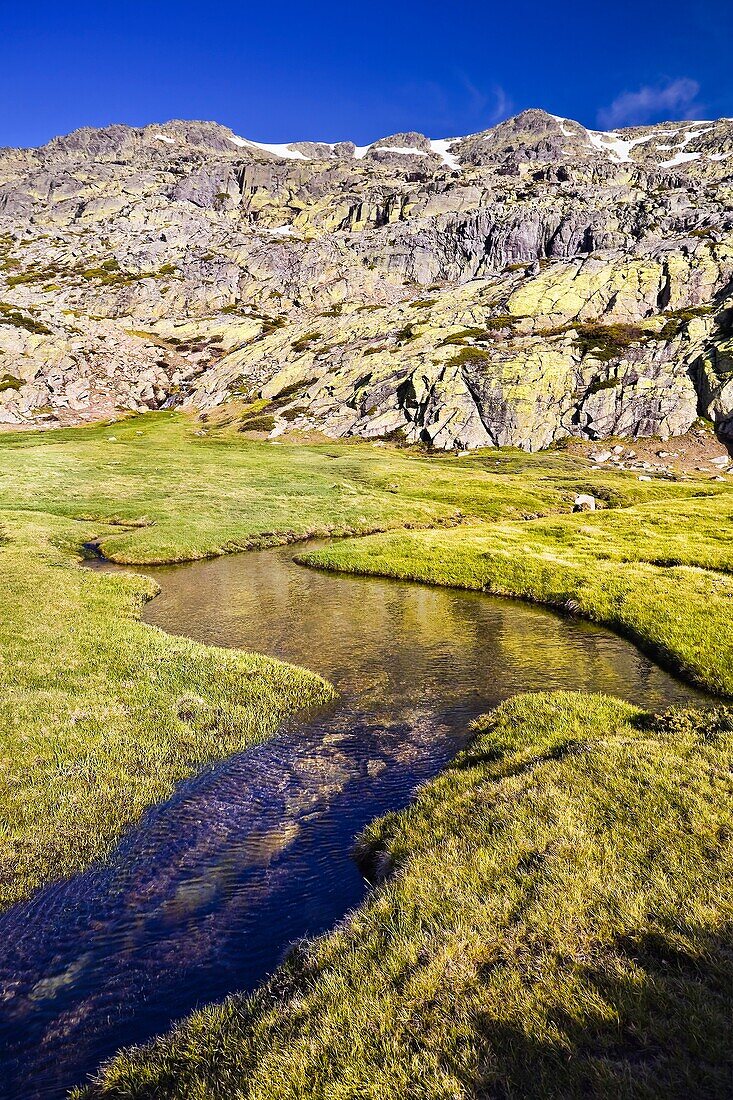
(206, 894)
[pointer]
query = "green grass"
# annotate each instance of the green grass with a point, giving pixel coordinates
(658, 572)
(90, 724)
(192, 496)
(100, 715)
(556, 922)
(556, 925)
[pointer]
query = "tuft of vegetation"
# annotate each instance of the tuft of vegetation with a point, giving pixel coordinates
(677, 319)
(607, 342)
(470, 356)
(461, 336)
(262, 423)
(11, 315)
(556, 925)
(10, 382)
(599, 384)
(305, 342)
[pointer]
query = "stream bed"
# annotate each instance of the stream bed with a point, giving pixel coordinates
(206, 894)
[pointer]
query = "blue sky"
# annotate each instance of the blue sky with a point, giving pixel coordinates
(281, 71)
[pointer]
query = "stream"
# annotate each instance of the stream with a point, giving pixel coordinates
(204, 896)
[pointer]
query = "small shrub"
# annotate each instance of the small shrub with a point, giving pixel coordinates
(475, 357)
(10, 382)
(678, 318)
(303, 343)
(257, 424)
(607, 342)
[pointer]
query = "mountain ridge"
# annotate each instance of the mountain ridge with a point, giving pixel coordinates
(530, 282)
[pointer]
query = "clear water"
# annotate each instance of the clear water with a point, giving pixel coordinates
(205, 896)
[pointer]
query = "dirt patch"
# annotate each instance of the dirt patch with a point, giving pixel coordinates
(698, 454)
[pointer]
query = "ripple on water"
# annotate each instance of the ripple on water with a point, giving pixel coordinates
(206, 894)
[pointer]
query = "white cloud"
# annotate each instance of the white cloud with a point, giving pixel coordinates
(677, 99)
(491, 106)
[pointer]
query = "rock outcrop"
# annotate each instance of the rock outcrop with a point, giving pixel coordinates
(514, 287)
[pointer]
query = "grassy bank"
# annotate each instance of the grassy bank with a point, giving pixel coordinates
(658, 572)
(557, 925)
(100, 715)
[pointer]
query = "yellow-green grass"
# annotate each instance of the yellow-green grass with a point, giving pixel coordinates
(557, 924)
(101, 715)
(658, 572)
(92, 729)
(193, 496)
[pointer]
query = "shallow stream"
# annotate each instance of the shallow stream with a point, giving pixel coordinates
(207, 893)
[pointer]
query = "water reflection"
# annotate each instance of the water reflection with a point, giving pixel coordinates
(205, 896)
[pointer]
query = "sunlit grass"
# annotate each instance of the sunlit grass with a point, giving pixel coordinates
(100, 715)
(556, 925)
(92, 726)
(659, 572)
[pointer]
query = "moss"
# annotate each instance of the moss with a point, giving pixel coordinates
(10, 382)
(11, 315)
(303, 343)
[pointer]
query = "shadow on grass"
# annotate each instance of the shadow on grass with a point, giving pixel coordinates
(661, 1028)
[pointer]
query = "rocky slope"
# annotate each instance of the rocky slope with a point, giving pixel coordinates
(514, 287)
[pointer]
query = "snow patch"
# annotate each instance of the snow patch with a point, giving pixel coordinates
(165, 138)
(680, 158)
(562, 121)
(282, 150)
(442, 147)
(608, 141)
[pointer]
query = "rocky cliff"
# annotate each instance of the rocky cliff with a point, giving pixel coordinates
(514, 287)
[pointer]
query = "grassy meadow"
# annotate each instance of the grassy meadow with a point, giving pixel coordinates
(95, 720)
(556, 924)
(100, 715)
